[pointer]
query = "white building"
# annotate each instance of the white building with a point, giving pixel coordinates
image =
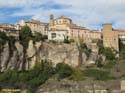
(57, 35)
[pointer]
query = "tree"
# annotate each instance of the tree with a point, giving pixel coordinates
(37, 37)
(24, 36)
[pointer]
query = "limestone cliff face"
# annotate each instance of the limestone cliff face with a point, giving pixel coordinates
(12, 58)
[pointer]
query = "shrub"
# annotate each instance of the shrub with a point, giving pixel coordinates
(5, 75)
(99, 62)
(77, 74)
(66, 40)
(14, 76)
(23, 76)
(83, 48)
(3, 38)
(110, 64)
(122, 49)
(63, 70)
(97, 74)
(108, 52)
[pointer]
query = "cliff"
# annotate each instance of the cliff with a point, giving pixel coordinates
(12, 56)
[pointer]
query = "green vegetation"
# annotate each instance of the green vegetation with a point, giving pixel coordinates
(3, 38)
(108, 52)
(25, 35)
(97, 74)
(122, 49)
(101, 47)
(77, 74)
(66, 40)
(33, 78)
(44, 70)
(39, 37)
(83, 48)
(99, 62)
(63, 70)
(110, 64)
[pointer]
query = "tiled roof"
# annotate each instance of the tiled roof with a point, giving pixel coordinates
(63, 17)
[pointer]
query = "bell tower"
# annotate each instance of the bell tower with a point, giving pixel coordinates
(51, 20)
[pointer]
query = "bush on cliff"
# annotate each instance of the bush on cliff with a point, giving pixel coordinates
(122, 49)
(83, 48)
(110, 55)
(108, 52)
(32, 78)
(39, 37)
(77, 74)
(63, 70)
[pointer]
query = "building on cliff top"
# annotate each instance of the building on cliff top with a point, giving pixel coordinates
(72, 30)
(35, 25)
(10, 29)
(111, 36)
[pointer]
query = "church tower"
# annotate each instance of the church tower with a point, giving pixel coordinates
(51, 20)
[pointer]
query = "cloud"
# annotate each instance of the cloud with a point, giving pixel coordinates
(90, 13)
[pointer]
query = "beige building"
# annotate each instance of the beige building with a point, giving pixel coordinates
(111, 36)
(73, 31)
(95, 34)
(10, 29)
(35, 25)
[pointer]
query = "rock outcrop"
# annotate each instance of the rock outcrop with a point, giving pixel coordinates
(55, 53)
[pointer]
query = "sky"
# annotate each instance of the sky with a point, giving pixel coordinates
(89, 13)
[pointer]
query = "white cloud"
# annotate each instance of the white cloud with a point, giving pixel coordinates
(90, 13)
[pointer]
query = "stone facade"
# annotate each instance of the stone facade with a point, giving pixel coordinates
(35, 25)
(10, 29)
(111, 36)
(95, 34)
(73, 31)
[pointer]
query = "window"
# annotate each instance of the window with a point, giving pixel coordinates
(53, 35)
